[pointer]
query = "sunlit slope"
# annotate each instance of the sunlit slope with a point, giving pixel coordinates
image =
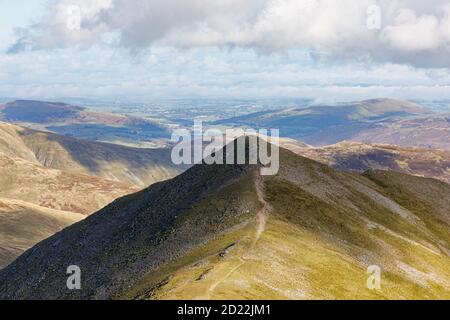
(23, 224)
(12, 144)
(135, 166)
(225, 232)
(324, 230)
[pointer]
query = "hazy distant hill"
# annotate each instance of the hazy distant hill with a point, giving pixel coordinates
(80, 122)
(39, 112)
(356, 156)
(225, 232)
(372, 121)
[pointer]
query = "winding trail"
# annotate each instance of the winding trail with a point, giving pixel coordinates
(261, 221)
(261, 216)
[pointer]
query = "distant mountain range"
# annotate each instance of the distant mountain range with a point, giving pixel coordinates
(373, 121)
(225, 232)
(80, 122)
(384, 121)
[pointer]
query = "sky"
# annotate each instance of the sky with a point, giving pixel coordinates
(141, 50)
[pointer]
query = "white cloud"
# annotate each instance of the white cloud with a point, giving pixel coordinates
(55, 30)
(412, 31)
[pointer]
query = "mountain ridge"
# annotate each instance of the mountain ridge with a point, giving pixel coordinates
(196, 236)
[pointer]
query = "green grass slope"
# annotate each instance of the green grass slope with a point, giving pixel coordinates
(324, 230)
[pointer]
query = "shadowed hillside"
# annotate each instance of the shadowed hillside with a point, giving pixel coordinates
(39, 112)
(225, 232)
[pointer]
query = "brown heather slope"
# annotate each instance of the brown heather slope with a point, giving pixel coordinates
(36, 224)
(224, 232)
(56, 189)
(133, 166)
(425, 132)
(359, 157)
